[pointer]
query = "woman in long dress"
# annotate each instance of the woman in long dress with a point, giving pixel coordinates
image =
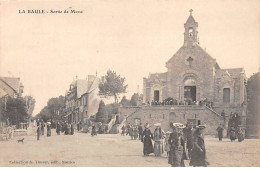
(93, 131)
(131, 132)
(48, 129)
(146, 138)
(232, 134)
(72, 129)
(58, 128)
(177, 153)
(198, 153)
(166, 143)
(158, 136)
(240, 135)
(135, 131)
(220, 130)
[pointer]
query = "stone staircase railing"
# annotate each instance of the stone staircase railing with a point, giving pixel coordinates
(213, 111)
(111, 123)
(119, 127)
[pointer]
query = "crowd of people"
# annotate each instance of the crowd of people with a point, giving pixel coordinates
(171, 101)
(181, 143)
(61, 127)
(235, 130)
(133, 131)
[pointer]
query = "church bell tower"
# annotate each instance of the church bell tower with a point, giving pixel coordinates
(191, 33)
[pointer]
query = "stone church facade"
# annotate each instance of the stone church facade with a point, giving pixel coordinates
(193, 75)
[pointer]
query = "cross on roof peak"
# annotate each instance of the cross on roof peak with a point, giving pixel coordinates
(191, 10)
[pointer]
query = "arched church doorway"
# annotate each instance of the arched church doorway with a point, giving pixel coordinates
(226, 96)
(156, 95)
(190, 93)
(190, 89)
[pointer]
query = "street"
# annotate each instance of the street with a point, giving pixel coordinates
(106, 150)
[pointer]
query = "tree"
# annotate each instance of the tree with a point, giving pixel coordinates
(102, 115)
(53, 106)
(125, 102)
(112, 85)
(30, 103)
(16, 111)
(134, 99)
(44, 114)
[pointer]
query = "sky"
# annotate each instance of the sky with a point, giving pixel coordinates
(133, 38)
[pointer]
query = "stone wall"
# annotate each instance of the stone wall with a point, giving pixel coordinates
(167, 114)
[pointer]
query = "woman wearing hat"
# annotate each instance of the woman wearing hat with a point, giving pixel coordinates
(158, 136)
(177, 146)
(48, 128)
(198, 153)
(166, 142)
(146, 138)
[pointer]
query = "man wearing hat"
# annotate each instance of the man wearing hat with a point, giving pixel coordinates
(198, 153)
(140, 131)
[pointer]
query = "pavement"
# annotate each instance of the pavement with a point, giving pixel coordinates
(114, 150)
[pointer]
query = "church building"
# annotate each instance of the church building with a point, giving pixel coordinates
(200, 90)
(193, 75)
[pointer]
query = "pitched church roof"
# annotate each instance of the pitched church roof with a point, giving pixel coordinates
(158, 76)
(195, 47)
(233, 72)
(190, 19)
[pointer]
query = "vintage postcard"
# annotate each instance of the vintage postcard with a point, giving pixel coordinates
(117, 83)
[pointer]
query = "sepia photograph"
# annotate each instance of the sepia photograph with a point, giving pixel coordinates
(117, 83)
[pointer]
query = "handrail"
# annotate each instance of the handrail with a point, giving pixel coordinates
(111, 123)
(124, 120)
(213, 111)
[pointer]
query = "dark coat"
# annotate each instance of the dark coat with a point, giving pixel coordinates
(58, 128)
(93, 132)
(140, 129)
(48, 130)
(198, 158)
(189, 138)
(146, 138)
(232, 134)
(72, 129)
(38, 130)
(177, 153)
(66, 128)
(220, 132)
